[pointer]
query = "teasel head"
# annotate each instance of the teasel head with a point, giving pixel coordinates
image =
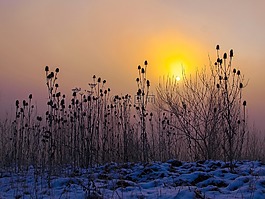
(89, 98)
(244, 103)
(39, 118)
(240, 85)
(238, 72)
(104, 81)
(57, 70)
(99, 80)
(231, 53)
(50, 76)
(73, 102)
(137, 79)
(56, 85)
(139, 67)
(225, 56)
(108, 89)
(46, 68)
(145, 63)
(148, 83)
(142, 71)
(234, 71)
(139, 92)
(218, 85)
(62, 102)
(17, 103)
(217, 47)
(94, 77)
(24, 103)
(30, 96)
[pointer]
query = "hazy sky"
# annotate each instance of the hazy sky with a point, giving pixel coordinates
(110, 38)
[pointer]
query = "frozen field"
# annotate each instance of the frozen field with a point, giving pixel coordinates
(171, 179)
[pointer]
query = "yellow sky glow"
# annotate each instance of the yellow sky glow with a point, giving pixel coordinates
(111, 38)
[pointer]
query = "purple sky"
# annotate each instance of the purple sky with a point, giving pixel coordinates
(111, 38)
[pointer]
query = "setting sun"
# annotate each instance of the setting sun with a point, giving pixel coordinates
(174, 54)
(177, 68)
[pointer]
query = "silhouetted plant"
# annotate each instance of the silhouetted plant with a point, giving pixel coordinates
(208, 109)
(143, 85)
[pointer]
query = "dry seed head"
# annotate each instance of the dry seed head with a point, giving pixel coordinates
(17, 103)
(231, 53)
(244, 103)
(57, 70)
(234, 71)
(30, 96)
(139, 67)
(46, 68)
(148, 83)
(238, 72)
(225, 56)
(145, 63)
(142, 71)
(217, 47)
(50, 76)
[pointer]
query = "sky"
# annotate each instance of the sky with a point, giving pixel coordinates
(110, 38)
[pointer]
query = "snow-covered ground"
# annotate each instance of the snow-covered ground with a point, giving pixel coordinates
(171, 179)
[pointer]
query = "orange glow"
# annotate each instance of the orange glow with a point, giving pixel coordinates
(174, 54)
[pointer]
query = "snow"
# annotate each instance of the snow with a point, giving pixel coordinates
(171, 179)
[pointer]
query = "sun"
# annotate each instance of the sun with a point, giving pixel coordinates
(176, 68)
